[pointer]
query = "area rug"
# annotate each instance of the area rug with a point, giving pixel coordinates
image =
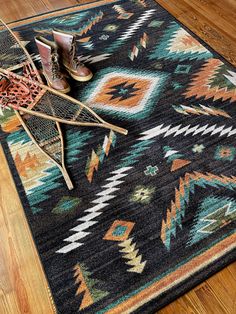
(152, 213)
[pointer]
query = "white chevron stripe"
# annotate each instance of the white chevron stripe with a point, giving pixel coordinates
(109, 190)
(69, 247)
(105, 198)
(231, 77)
(95, 59)
(191, 130)
(112, 184)
(170, 153)
(184, 129)
(75, 237)
(227, 131)
(35, 57)
(87, 221)
(83, 226)
(133, 28)
(231, 132)
(154, 132)
(209, 130)
(95, 208)
(172, 130)
(218, 130)
(194, 130)
(200, 130)
(91, 216)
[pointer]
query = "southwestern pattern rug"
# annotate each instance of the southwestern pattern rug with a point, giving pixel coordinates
(153, 213)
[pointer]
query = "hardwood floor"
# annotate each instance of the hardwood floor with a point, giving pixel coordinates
(213, 21)
(23, 287)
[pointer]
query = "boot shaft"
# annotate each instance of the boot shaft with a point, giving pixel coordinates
(50, 62)
(47, 51)
(66, 45)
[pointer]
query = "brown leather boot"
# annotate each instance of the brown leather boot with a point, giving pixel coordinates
(67, 44)
(51, 68)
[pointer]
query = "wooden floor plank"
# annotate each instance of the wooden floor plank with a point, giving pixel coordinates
(210, 13)
(23, 287)
(183, 305)
(12, 10)
(232, 269)
(205, 26)
(225, 9)
(223, 287)
(205, 300)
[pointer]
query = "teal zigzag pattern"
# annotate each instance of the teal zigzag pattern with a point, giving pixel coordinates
(214, 213)
(62, 24)
(176, 213)
(88, 45)
(18, 137)
(42, 192)
(90, 23)
(66, 205)
(162, 49)
(75, 143)
(137, 150)
(69, 20)
(52, 180)
(48, 182)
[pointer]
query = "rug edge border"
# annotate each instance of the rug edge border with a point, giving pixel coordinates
(90, 6)
(49, 14)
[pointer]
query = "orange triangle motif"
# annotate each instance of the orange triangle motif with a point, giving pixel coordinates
(84, 40)
(179, 163)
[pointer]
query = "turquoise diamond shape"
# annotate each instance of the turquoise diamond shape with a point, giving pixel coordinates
(155, 23)
(183, 68)
(119, 231)
(66, 205)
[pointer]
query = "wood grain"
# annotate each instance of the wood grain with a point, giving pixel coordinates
(22, 281)
(23, 286)
(213, 21)
(12, 10)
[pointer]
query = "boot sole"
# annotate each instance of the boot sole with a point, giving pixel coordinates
(80, 78)
(63, 91)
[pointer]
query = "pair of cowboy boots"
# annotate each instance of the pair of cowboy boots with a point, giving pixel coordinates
(62, 50)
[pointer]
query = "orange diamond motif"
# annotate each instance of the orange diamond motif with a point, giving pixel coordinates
(119, 230)
(126, 93)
